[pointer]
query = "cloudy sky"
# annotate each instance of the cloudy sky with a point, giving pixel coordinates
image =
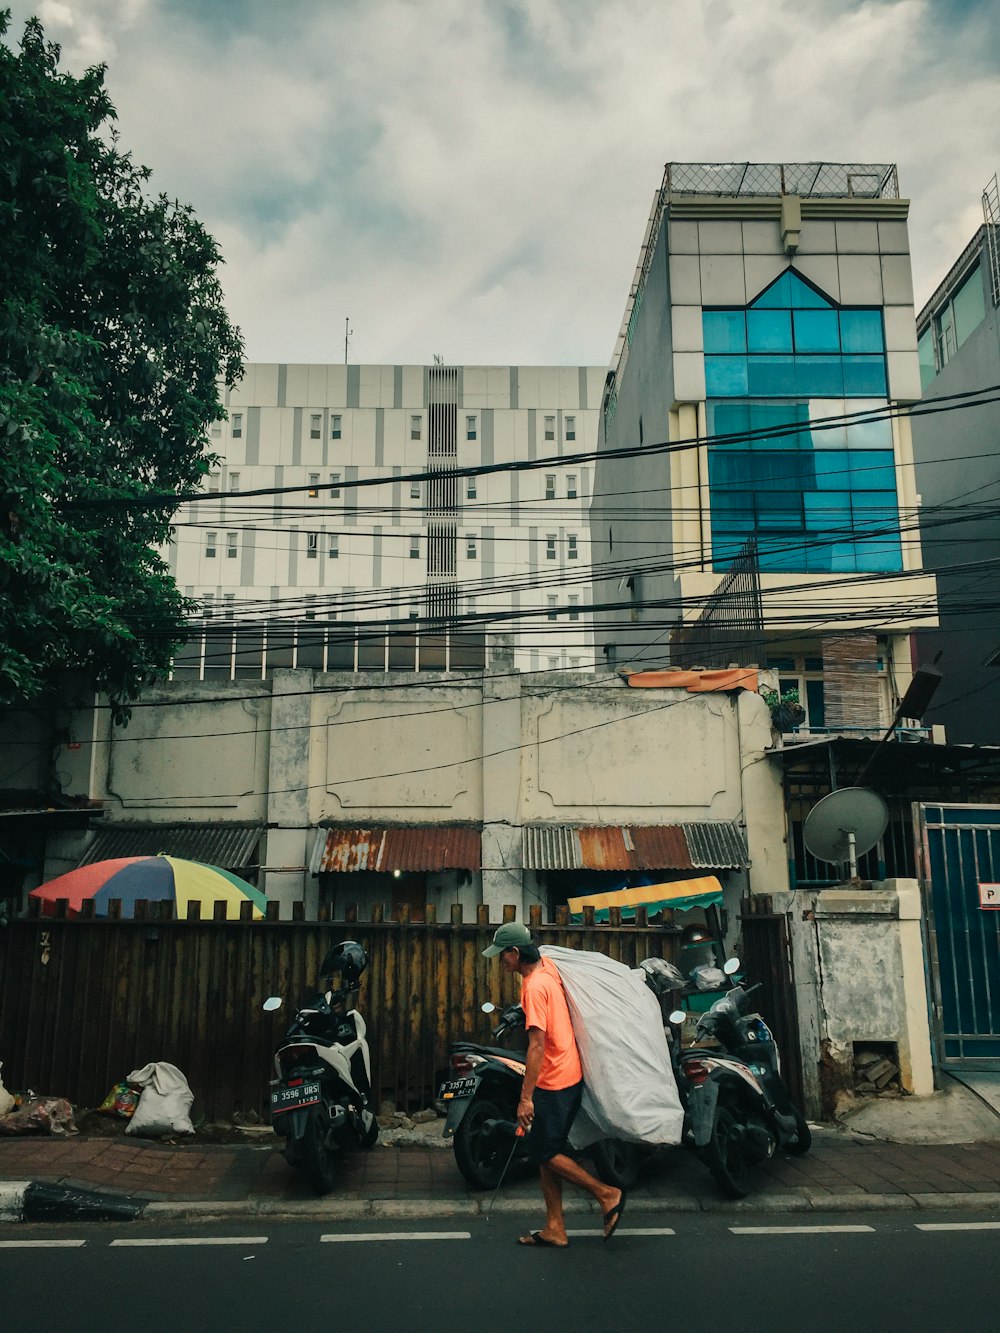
(473, 177)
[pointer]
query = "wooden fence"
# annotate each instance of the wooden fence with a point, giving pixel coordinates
(85, 1001)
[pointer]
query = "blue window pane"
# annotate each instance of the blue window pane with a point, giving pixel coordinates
(769, 331)
(875, 510)
(872, 471)
(864, 375)
(725, 377)
(729, 419)
(724, 330)
(815, 703)
(779, 510)
(777, 553)
(731, 507)
(819, 376)
(861, 331)
(881, 556)
(816, 331)
(775, 423)
(772, 376)
(778, 295)
(870, 434)
(803, 296)
(833, 469)
(827, 509)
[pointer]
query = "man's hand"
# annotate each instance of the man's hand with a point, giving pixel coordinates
(525, 1113)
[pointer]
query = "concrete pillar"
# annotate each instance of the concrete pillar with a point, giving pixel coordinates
(286, 878)
(502, 878)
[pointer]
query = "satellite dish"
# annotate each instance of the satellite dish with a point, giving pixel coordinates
(846, 824)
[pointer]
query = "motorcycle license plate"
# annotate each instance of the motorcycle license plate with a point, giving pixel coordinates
(291, 1099)
(458, 1087)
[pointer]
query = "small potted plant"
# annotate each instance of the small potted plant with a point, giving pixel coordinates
(786, 711)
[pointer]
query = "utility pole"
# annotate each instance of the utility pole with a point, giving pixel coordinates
(347, 333)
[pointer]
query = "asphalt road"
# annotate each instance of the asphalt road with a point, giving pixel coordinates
(754, 1273)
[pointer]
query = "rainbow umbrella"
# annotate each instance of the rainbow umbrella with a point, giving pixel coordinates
(152, 878)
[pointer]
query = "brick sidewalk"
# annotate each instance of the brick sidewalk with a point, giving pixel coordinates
(840, 1168)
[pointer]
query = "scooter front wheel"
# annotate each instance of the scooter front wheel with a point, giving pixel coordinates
(725, 1155)
(315, 1157)
(803, 1136)
(616, 1162)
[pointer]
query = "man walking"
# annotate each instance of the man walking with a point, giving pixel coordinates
(552, 1087)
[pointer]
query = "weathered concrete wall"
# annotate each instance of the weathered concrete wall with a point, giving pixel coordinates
(858, 960)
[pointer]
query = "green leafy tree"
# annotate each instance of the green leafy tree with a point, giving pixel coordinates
(113, 340)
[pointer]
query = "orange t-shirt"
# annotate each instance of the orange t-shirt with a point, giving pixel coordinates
(545, 1007)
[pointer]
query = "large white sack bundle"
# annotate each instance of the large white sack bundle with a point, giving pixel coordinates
(164, 1103)
(629, 1087)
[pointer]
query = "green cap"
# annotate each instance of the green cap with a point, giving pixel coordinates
(510, 935)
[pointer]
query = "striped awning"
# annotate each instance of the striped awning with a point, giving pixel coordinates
(706, 845)
(681, 896)
(232, 846)
(410, 848)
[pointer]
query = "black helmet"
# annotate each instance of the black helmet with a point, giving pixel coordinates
(661, 976)
(349, 959)
(696, 935)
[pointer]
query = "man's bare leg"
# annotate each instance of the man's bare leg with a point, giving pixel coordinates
(554, 1230)
(607, 1196)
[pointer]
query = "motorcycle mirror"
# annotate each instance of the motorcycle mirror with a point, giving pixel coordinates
(271, 1003)
(731, 966)
(677, 1018)
(489, 1007)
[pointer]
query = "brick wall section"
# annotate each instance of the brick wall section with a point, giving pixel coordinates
(850, 683)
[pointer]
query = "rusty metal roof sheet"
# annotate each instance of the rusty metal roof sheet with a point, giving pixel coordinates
(415, 847)
(231, 846)
(705, 845)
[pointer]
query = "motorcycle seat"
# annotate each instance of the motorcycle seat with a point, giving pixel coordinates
(502, 1051)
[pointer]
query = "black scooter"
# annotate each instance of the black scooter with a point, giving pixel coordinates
(737, 1108)
(480, 1104)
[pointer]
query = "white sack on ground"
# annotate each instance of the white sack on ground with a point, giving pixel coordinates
(164, 1103)
(629, 1087)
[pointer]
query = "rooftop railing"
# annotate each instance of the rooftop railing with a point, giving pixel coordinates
(809, 180)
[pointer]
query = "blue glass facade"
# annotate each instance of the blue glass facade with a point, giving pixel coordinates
(819, 495)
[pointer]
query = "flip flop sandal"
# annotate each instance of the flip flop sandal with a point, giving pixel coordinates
(613, 1216)
(535, 1239)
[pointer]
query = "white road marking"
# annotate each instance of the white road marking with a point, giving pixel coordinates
(399, 1235)
(957, 1226)
(629, 1231)
(791, 1231)
(194, 1240)
(40, 1244)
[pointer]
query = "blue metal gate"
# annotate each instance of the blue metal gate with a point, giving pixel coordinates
(961, 866)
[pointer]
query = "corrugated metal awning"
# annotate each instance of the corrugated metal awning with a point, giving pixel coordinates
(231, 846)
(705, 845)
(415, 847)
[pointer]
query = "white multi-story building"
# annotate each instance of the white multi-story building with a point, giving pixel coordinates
(374, 545)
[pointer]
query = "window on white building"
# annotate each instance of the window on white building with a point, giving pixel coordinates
(213, 483)
(550, 547)
(414, 490)
(234, 481)
(550, 428)
(570, 485)
(229, 605)
(315, 426)
(553, 663)
(334, 485)
(333, 547)
(208, 605)
(470, 548)
(416, 427)
(414, 612)
(310, 606)
(414, 548)
(552, 603)
(574, 608)
(470, 488)
(210, 543)
(312, 545)
(231, 542)
(571, 428)
(571, 551)
(336, 427)
(574, 662)
(470, 428)
(550, 485)
(313, 485)
(237, 425)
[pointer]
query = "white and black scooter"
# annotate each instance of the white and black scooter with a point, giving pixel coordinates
(321, 1098)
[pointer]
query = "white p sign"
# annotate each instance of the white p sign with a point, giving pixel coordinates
(989, 896)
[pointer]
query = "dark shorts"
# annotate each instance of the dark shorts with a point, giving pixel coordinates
(555, 1110)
